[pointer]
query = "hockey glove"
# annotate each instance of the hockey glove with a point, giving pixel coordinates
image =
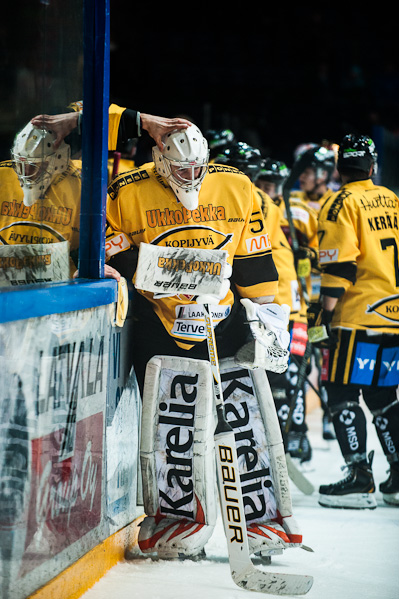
(305, 261)
(303, 265)
(320, 333)
(269, 328)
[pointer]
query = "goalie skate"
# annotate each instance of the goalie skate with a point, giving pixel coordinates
(171, 538)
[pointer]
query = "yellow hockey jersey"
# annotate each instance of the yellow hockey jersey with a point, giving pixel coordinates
(314, 201)
(358, 253)
(142, 207)
(288, 289)
(304, 219)
(55, 218)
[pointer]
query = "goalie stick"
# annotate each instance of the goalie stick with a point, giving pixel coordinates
(243, 572)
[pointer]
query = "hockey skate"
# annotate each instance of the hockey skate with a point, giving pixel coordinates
(390, 487)
(355, 491)
(266, 540)
(171, 538)
(272, 537)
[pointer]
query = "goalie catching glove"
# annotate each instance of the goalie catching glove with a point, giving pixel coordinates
(271, 339)
(319, 326)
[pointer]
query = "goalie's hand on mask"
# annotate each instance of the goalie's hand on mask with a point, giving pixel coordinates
(320, 333)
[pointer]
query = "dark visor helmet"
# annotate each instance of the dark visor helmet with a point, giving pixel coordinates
(218, 140)
(274, 171)
(357, 152)
(243, 157)
(318, 157)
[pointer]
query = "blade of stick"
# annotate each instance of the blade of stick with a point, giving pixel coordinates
(243, 572)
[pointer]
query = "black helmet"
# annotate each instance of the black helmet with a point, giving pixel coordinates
(244, 157)
(318, 157)
(274, 171)
(218, 139)
(357, 152)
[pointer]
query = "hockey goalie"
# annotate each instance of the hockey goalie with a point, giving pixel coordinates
(202, 240)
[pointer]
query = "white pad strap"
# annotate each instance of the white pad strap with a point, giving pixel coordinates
(177, 450)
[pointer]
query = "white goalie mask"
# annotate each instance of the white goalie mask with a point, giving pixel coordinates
(184, 163)
(36, 162)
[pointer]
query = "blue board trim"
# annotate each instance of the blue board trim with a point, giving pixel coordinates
(35, 301)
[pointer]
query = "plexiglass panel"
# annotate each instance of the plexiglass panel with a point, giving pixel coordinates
(40, 168)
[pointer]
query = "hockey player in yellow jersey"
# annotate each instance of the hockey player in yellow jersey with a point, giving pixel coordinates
(317, 166)
(356, 323)
(39, 205)
(165, 213)
(304, 217)
(249, 160)
(180, 200)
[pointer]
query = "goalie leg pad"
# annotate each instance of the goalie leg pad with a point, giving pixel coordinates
(177, 457)
(265, 485)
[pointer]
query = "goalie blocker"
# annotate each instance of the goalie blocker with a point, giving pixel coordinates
(178, 462)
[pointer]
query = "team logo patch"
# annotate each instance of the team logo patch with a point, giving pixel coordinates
(190, 324)
(387, 308)
(364, 363)
(258, 243)
(298, 214)
(299, 338)
(389, 371)
(116, 244)
(326, 256)
(347, 417)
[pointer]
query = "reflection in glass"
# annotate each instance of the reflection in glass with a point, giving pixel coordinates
(40, 182)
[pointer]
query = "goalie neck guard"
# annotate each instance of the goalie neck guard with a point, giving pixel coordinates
(36, 162)
(184, 163)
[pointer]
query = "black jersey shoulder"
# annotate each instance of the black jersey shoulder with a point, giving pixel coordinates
(223, 168)
(136, 175)
(6, 164)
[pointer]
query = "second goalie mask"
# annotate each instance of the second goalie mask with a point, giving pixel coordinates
(36, 162)
(184, 163)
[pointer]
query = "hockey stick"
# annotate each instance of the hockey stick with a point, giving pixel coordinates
(301, 377)
(115, 167)
(294, 174)
(243, 572)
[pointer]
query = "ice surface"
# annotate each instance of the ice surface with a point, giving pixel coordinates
(356, 552)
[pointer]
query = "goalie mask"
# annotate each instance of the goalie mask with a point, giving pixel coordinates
(36, 162)
(184, 163)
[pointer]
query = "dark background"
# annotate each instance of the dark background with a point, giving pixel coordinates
(276, 76)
